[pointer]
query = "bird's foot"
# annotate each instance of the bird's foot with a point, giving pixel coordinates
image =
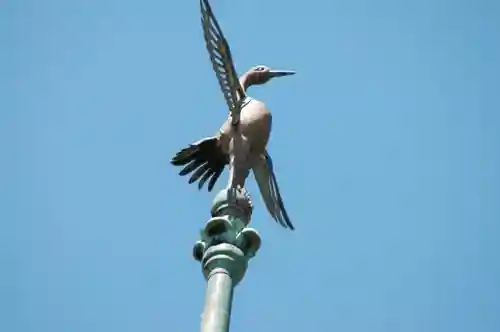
(233, 201)
(245, 193)
(238, 192)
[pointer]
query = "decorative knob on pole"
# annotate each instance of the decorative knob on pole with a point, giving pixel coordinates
(224, 250)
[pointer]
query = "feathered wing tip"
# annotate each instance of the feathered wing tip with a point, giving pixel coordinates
(204, 159)
(282, 215)
(268, 186)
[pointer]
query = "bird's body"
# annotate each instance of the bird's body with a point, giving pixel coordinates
(242, 139)
(248, 139)
(254, 126)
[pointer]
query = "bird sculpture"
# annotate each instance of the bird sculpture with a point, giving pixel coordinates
(242, 139)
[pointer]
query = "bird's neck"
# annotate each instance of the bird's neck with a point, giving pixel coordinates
(245, 82)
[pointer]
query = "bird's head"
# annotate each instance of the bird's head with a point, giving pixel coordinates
(262, 74)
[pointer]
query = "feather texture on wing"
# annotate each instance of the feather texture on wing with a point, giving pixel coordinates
(204, 159)
(220, 56)
(269, 190)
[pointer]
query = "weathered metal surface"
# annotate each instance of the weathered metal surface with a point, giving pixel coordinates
(224, 250)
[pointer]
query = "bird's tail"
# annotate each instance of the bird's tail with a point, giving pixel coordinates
(204, 159)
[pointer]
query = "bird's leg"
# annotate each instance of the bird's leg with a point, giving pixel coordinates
(239, 167)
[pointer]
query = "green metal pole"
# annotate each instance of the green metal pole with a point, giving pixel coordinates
(225, 248)
(222, 261)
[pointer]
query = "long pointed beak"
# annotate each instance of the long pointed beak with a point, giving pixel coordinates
(280, 73)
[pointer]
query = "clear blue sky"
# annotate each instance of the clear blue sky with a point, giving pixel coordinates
(386, 145)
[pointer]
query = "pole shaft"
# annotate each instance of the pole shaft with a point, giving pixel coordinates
(218, 298)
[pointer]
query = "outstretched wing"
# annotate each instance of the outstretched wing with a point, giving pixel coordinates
(204, 160)
(268, 186)
(220, 56)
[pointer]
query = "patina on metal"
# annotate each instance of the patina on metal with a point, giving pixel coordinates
(224, 250)
(242, 139)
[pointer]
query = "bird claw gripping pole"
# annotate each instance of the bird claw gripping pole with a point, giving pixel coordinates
(225, 247)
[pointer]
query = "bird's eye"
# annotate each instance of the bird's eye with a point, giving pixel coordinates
(260, 68)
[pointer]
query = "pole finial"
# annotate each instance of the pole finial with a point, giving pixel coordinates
(233, 202)
(224, 250)
(231, 212)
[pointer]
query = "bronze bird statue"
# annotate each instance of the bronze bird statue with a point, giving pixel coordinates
(242, 139)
